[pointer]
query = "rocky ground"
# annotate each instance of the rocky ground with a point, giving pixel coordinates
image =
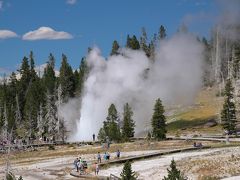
(219, 164)
(203, 164)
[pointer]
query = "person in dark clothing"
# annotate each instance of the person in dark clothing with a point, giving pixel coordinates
(93, 136)
(75, 163)
(99, 158)
(118, 154)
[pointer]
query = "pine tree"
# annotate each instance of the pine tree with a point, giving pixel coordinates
(101, 134)
(174, 173)
(66, 79)
(128, 123)
(128, 44)
(115, 48)
(162, 33)
(31, 106)
(49, 78)
(24, 83)
(14, 114)
(83, 73)
(228, 114)
(127, 172)
(32, 67)
(133, 43)
(111, 125)
(25, 74)
(143, 42)
(76, 78)
(31, 112)
(158, 121)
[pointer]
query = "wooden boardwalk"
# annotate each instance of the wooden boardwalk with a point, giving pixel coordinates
(216, 139)
(133, 158)
(150, 155)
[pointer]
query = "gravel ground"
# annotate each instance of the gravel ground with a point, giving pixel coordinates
(155, 168)
(218, 163)
(57, 168)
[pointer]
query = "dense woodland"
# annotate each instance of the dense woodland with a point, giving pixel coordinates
(29, 102)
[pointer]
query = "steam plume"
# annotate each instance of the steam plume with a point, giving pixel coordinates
(174, 76)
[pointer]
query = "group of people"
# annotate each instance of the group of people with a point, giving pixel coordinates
(198, 145)
(106, 156)
(79, 165)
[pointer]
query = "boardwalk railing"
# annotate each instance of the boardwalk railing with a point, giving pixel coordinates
(113, 177)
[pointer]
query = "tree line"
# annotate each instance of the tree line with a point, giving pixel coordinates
(29, 100)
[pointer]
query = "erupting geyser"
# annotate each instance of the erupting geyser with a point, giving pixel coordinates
(174, 76)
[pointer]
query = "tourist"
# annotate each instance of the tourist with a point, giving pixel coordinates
(80, 166)
(93, 137)
(75, 163)
(105, 156)
(118, 154)
(96, 168)
(99, 157)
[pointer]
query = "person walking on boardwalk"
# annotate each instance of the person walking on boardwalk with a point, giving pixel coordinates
(93, 137)
(75, 163)
(118, 154)
(96, 169)
(99, 158)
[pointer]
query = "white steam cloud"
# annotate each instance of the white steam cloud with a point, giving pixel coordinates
(175, 76)
(228, 22)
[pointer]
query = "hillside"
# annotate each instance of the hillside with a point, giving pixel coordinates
(199, 118)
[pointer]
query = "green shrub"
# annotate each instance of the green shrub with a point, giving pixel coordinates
(127, 172)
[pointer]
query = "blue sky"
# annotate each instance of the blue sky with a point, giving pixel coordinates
(85, 23)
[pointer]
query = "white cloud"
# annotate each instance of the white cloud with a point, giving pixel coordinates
(71, 2)
(46, 33)
(5, 34)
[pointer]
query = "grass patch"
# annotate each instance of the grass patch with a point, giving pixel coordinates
(186, 124)
(223, 145)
